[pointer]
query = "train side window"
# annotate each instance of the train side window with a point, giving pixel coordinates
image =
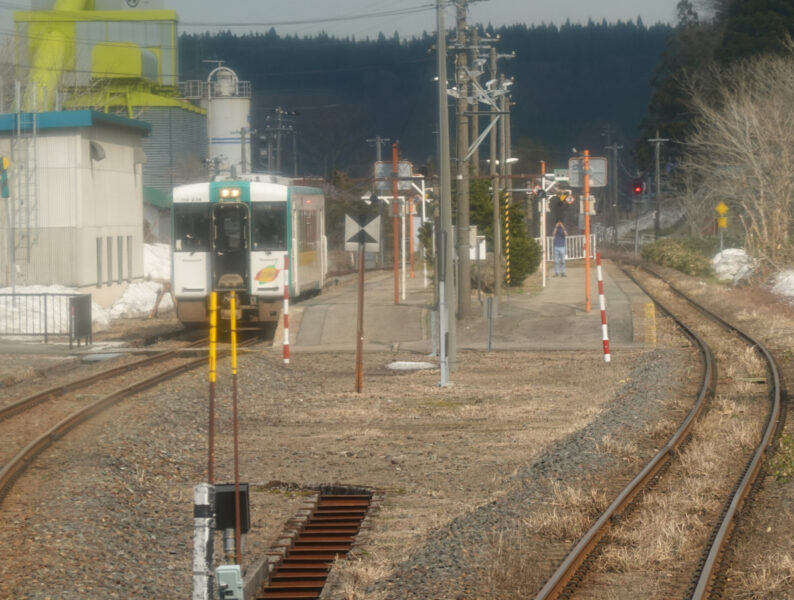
(269, 226)
(191, 227)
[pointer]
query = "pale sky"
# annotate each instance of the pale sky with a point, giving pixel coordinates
(364, 18)
(368, 18)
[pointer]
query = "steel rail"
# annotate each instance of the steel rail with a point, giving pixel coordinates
(579, 553)
(704, 581)
(24, 404)
(20, 461)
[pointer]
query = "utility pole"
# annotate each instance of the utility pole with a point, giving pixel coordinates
(613, 178)
(502, 156)
(474, 60)
(280, 113)
(294, 153)
(656, 217)
(508, 149)
(378, 142)
(447, 340)
(243, 132)
(395, 221)
(282, 125)
(462, 136)
(495, 187)
(269, 146)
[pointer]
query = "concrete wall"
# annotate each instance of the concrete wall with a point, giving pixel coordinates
(80, 200)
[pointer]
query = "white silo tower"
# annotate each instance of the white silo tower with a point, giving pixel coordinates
(229, 122)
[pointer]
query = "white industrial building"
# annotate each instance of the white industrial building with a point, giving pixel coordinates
(75, 212)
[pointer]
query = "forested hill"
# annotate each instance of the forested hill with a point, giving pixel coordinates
(570, 83)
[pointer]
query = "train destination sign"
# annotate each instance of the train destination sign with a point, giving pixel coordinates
(360, 231)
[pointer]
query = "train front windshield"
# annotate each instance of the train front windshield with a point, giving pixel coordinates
(191, 227)
(269, 227)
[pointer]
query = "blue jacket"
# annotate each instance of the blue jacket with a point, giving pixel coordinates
(559, 238)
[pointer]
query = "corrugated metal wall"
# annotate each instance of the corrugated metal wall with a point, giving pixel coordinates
(175, 149)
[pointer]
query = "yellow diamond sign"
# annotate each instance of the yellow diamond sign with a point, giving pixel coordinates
(721, 208)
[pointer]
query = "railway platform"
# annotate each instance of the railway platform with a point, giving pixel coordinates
(536, 318)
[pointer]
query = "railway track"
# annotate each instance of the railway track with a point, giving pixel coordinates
(327, 535)
(31, 424)
(578, 571)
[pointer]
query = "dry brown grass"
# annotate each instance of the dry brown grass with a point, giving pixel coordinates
(671, 521)
(622, 448)
(773, 577)
(357, 575)
(510, 570)
(661, 428)
(569, 512)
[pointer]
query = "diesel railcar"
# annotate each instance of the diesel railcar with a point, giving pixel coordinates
(234, 235)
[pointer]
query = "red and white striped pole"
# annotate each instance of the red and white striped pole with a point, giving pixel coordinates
(286, 309)
(604, 334)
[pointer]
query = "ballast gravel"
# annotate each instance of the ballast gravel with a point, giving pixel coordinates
(107, 512)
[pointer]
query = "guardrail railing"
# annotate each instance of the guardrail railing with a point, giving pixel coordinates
(574, 247)
(46, 315)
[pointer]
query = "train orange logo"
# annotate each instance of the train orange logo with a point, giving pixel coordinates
(267, 274)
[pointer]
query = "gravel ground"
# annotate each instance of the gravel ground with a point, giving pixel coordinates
(107, 512)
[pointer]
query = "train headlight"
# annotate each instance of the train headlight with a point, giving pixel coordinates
(230, 193)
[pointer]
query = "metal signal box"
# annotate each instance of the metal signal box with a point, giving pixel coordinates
(224, 507)
(230, 582)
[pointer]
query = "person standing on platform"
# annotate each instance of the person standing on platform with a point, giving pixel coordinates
(559, 234)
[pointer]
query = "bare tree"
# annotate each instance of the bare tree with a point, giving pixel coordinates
(741, 150)
(697, 199)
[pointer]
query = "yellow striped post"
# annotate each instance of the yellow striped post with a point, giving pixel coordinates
(235, 427)
(233, 329)
(213, 367)
(507, 237)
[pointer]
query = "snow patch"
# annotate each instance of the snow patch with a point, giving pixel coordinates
(138, 300)
(732, 264)
(784, 284)
(157, 261)
(401, 365)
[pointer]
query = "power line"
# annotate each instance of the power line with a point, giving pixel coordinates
(68, 16)
(316, 21)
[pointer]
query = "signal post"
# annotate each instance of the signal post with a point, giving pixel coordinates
(587, 172)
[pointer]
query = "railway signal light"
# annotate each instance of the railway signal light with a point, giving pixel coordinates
(637, 186)
(4, 177)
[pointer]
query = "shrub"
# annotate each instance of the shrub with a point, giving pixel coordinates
(781, 465)
(525, 256)
(709, 246)
(673, 253)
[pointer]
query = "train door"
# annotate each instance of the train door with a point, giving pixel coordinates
(230, 246)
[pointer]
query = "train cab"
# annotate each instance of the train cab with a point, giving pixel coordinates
(236, 236)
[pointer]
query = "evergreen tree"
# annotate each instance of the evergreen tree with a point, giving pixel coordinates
(756, 27)
(569, 82)
(689, 52)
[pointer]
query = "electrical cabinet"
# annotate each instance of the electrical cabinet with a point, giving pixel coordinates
(230, 582)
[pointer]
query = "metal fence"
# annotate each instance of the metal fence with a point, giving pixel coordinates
(46, 315)
(574, 247)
